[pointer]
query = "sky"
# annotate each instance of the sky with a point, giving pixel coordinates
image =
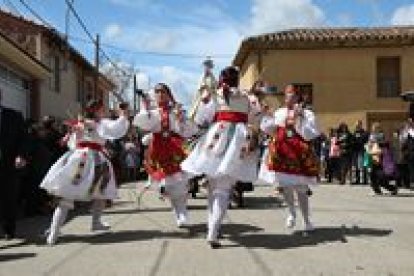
(167, 40)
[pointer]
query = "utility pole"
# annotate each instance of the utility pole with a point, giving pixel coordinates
(135, 94)
(67, 19)
(97, 50)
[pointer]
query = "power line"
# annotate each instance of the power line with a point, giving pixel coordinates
(182, 55)
(35, 14)
(80, 21)
(12, 7)
(83, 25)
(153, 53)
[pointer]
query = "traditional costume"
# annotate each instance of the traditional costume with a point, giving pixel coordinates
(84, 173)
(225, 154)
(291, 162)
(166, 152)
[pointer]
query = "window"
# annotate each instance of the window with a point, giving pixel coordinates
(79, 89)
(305, 91)
(388, 77)
(56, 74)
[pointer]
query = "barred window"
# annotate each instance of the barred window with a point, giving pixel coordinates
(388, 77)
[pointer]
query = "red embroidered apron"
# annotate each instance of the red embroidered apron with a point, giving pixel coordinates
(290, 153)
(165, 152)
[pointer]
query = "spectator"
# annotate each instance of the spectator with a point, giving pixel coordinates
(324, 156)
(360, 139)
(407, 147)
(382, 161)
(403, 176)
(334, 155)
(36, 200)
(131, 158)
(345, 141)
(51, 137)
(12, 157)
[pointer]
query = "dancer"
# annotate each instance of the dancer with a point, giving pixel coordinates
(291, 160)
(84, 173)
(225, 154)
(167, 126)
(202, 108)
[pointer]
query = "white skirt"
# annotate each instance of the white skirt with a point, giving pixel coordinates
(219, 153)
(73, 177)
(175, 185)
(266, 176)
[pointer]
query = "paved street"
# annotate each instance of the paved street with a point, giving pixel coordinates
(356, 235)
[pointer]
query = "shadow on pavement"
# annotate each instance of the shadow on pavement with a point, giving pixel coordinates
(399, 195)
(122, 236)
(15, 256)
(13, 245)
(146, 209)
(300, 239)
(191, 231)
(261, 203)
(231, 229)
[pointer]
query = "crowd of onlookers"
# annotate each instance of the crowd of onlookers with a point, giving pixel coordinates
(360, 156)
(356, 156)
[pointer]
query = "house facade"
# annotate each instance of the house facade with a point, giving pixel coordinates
(72, 78)
(346, 74)
(20, 77)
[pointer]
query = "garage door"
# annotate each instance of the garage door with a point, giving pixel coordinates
(14, 94)
(14, 98)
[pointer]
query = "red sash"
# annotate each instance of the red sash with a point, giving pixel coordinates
(230, 116)
(90, 145)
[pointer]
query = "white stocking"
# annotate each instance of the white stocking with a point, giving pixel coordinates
(290, 200)
(58, 219)
(178, 196)
(97, 208)
(219, 193)
(303, 201)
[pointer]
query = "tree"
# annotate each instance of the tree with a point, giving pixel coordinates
(121, 74)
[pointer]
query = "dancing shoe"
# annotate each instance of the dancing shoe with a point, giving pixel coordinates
(309, 227)
(290, 221)
(181, 221)
(51, 239)
(100, 226)
(214, 244)
(47, 233)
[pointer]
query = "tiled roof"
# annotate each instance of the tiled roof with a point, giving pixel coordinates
(58, 37)
(327, 38)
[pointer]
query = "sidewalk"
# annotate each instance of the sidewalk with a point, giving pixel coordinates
(356, 235)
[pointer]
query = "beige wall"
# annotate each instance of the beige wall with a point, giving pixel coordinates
(249, 72)
(59, 104)
(344, 80)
